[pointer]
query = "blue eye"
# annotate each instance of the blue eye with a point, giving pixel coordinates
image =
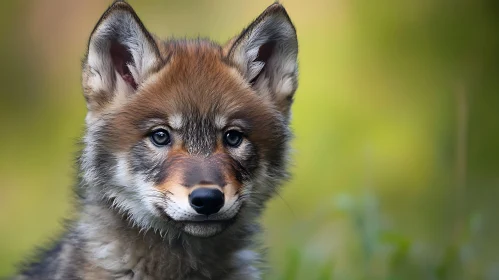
(233, 138)
(160, 137)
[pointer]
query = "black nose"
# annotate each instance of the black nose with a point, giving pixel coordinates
(206, 201)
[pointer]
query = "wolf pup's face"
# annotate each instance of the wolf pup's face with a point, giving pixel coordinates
(187, 135)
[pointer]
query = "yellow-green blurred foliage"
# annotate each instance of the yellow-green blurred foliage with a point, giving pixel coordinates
(396, 158)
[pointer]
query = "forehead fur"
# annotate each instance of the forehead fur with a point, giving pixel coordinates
(196, 74)
(200, 85)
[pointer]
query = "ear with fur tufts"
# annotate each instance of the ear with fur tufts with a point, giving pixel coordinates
(266, 55)
(121, 55)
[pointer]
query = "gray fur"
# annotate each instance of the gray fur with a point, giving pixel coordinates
(118, 235)
(274, 75)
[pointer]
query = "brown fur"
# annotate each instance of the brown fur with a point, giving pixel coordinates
(128, 184)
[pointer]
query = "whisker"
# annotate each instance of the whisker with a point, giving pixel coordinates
(287, 205)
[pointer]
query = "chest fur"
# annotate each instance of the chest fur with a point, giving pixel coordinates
(119, 256)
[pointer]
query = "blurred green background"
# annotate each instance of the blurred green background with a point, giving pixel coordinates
(396, 157)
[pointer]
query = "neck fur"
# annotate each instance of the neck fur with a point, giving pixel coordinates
(116, 247)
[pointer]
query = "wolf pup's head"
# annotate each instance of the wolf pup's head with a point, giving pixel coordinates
(187, 135)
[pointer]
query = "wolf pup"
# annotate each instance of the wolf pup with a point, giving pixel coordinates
(185, 142)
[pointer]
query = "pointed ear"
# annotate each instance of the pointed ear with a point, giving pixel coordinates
(266, 55)
(121, 55)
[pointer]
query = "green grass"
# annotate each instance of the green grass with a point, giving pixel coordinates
(395, 156)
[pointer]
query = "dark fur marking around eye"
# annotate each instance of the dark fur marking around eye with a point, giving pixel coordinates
(199, 85)
(244, 168)
(143, 163)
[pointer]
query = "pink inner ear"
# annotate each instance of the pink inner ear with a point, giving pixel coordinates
(264, 53)
(121, 57)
